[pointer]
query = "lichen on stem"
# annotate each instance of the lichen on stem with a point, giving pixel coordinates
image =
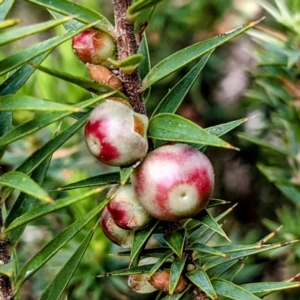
(127, 46)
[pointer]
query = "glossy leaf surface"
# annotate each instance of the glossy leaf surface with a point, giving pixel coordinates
(169, 127)
(56, 287)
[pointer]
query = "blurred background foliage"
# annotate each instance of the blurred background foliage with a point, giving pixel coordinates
(256, 74)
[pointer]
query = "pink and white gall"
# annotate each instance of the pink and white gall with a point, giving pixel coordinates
(94, 47)
(116, 135)
(126, 211)
(117, 235)
(174, 182)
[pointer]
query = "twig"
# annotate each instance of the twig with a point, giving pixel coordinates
(127, 46)
(6, 292)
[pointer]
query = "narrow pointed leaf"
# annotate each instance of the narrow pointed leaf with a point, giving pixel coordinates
(46, 119)
(267, 145)
(129, 271)
(140, 239)
(176, 95)
(205, 218)
(25, 203)
(216, 202)
(9, 23)
(25, 184)
(14, 61)
(7, 269)
(13, 83)
(20, 33)
(95, 181)
(125, 174)
(175, 273)
(175, 240)
(141, 5)
(49, 250)
(145, 65)
(160, 262)
(5, 6)
(33, 161)
(220, 270)
(175, 296)
(50, 147)
(170, 127)
(54, 290)
(261, 288)
(222, 129)
(85, 83)
(243, 254)
(202, 281)
(187, 55)
(42, 210)
(23, 102)
(231, 291)
(206, 249)
(79, 12)
(196, 234)
(5, 126)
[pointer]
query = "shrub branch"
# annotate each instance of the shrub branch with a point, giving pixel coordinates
(127, 46)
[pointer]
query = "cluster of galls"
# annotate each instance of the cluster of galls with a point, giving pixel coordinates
(172, 183)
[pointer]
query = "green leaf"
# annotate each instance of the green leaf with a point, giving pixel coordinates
(54, 290)
(175, 273)
(201, 248)
(231, 291)
(12, 84)
(33, 161)
(23, 102)
(196, 234)
(7, 269)
(25, 203)
(160, 262)
(176, 95)
(129, 271)
(79, 12)
(187, 55)
(175, 240)
(221, 269)
(9, 23)
(5, 125)
(216, 202)
(201, 280)
(25, 184)
(140, 239)
(42, 210)
(138, 6)
(241, 253)
(169, 127)
(14, 61)
(20, 33)
(267, 145)
(87, 84)
(145, 65)
(98, 180)
(5, 7)
(259, 288)
(125, 174)
(205, 218)
(44, 120)
(50, 249)
(129, 64)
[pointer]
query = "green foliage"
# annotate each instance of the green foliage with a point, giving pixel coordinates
(54, 127)
(275, 84)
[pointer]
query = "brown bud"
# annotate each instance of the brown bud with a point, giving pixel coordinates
(161, 281)
(103, 75)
